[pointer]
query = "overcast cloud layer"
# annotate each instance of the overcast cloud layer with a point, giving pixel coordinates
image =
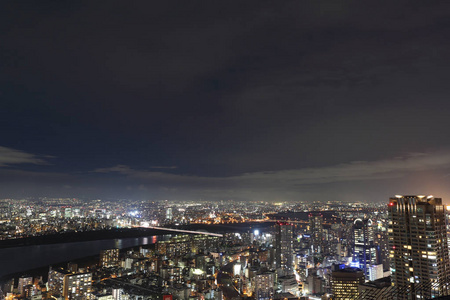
(286, 185)
(297, 100)
(10, 157)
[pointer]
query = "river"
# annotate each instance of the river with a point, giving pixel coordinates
(24, 258)
(20, 259)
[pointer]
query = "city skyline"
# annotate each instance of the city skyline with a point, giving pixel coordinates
(298, 101)
(223, 250)
(259, 249)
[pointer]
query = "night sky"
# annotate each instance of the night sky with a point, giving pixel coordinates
(245, 100)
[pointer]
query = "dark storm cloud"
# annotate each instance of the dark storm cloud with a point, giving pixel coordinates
(241, 96)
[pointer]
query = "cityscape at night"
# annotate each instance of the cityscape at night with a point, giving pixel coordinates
(224, 150)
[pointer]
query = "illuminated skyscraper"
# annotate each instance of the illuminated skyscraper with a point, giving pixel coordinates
(418, 247)
(169, 214)
(447, 217)
(364, 249)
(284, 248)
(316, 230)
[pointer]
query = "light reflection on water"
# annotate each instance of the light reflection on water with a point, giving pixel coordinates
(19, 259)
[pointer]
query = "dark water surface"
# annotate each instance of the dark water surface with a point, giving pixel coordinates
(19, 259)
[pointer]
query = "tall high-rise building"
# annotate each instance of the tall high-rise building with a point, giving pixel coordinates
(419, 256)
(284, 243)
(316, 230)
(364, 249)
(381, 239)
(169, 214)
(447, 217)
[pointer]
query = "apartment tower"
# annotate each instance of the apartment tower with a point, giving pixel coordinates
(418, 247)
(284, 248)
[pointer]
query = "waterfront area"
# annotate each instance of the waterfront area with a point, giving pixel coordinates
(209, 249)
(21, 259)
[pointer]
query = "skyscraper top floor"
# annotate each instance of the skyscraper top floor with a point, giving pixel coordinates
(415, 200)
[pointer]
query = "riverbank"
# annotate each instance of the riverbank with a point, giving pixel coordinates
(119, 233)
(86, 236)
(43, 271)
(35, 259)
(33, 255)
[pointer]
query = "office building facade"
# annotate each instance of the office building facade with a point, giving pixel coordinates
(419, 256)
(345, 283)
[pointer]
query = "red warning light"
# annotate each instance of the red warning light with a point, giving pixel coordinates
(391, 203)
